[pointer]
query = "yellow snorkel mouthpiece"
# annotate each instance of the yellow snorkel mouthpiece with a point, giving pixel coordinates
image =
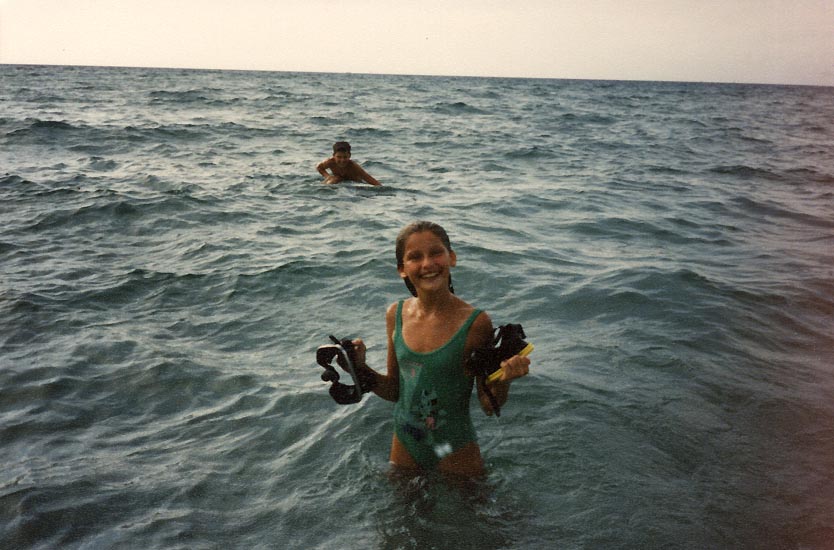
(528, 349)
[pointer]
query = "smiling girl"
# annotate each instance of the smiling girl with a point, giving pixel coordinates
(429, 338)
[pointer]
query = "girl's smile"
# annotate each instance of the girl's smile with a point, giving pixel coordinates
(427, 261)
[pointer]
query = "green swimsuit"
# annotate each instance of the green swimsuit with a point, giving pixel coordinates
(431, 416)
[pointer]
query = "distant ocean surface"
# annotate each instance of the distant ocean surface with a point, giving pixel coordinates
(169, 262)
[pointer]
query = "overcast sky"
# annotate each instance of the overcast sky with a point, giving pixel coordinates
(762, 41)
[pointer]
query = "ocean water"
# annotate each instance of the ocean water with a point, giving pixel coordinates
(169, 262)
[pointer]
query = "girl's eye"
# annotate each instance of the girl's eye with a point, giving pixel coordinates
(418, 256)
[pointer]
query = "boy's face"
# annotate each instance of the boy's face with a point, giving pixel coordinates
(341, 158)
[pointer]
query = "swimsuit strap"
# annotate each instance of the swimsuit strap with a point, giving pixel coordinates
(398, 324)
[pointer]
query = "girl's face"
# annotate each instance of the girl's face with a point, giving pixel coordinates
(427, 262)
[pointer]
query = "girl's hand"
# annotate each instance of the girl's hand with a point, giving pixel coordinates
(514, 367)
(359, 351)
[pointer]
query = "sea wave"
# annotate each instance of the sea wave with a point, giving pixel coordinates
(170, 262)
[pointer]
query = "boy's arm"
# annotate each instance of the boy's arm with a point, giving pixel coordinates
(322, 168)
(366, 176)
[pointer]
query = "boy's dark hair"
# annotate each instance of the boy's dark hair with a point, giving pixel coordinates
(341, 147)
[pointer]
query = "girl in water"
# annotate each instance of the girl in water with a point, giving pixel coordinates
(429, 338)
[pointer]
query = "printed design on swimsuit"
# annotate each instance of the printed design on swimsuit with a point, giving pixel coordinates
(423, 420)
(411, 368)
(428, 412)
(425, 415)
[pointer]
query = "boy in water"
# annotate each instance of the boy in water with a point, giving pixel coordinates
(342, 167)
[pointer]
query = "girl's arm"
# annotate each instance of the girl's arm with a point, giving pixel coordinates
(512, 368)
(480, 336)
(389, 389)
(387, 386)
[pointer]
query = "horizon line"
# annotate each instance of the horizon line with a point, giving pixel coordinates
(420, 75)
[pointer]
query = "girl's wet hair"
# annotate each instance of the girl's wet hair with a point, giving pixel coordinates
(419, 227)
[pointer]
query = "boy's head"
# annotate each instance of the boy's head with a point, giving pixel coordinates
(341, 147)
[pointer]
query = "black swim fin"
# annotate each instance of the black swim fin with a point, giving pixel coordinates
(486, 362)
(343, 352)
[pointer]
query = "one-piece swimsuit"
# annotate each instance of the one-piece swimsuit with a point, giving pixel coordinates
(431, 416)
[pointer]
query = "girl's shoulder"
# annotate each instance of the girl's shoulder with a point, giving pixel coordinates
(481, 331)
(466, 309)
(482, 322)
(391, 313)
(394, 305)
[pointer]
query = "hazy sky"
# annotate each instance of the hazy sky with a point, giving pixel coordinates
(766, 41)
